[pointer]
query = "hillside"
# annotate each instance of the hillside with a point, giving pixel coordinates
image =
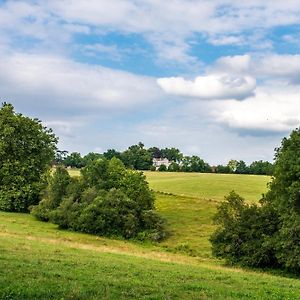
(38, 261)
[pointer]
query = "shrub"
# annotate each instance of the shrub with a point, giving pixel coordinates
(266, 235)
(107, 200)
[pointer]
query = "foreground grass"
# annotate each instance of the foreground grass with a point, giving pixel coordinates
(208, 185)
(40, 262)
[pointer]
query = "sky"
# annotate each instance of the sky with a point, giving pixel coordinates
(218, 79)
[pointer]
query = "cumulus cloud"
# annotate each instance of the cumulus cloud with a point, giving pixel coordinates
(274, 109)
(279, 66)
(213, 86)
(55, 80)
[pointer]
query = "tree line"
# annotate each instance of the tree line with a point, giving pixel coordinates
(138, 157)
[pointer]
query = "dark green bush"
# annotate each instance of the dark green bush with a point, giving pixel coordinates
(245, 233)
(266, 235)
(106, 200)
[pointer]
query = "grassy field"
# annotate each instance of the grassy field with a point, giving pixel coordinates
(38, 261)
(208, 186)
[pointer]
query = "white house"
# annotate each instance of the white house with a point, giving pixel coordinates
(157, 162)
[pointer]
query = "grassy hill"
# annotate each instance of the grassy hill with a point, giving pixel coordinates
(38, 261)
(208, 186)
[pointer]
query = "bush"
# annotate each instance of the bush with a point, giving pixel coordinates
(107, 200)
(162, 168)
(266, 235)
(245, 233)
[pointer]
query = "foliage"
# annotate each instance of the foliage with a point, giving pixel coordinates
(162, 168)
(107, 200)
(284, 196)
(268, 235)
(137, 157)
(261, 168)
(174, 167)
(26, 150)
(110, 153)
(74, 160)
(245, 233)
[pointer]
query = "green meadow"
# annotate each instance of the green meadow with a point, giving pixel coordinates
(39, 261)
(208, 185)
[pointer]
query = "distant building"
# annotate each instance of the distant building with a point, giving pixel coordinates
(157, 162)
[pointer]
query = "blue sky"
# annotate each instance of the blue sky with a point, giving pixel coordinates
(219, 79)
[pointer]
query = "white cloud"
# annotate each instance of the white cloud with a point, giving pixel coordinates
(278, 66)
(272, 108)
(55, 80)
(213, 86)
(168, 25)
(237, 64)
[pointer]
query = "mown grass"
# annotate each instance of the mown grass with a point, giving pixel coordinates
(208, 185)
(40, 262)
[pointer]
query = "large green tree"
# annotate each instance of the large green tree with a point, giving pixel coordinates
(267, 235)
(26, 151)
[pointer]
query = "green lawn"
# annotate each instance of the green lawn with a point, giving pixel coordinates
(40, 262)
(208, 186)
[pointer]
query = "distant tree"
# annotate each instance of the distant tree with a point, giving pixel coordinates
(241, 167)
(174, 167)
(74, 160)
(261, 168)
(194, 164)
(162, 168)
(110, 153)
(172, 154)
(155, 152)
(26, 150)
(92, 156)
(232, 165)
(222, 169)
(137, 157)
(60, 155)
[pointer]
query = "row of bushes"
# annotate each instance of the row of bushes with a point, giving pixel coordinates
(107, 199)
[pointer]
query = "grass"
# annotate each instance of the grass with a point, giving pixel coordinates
(40, 262)
(208, 186)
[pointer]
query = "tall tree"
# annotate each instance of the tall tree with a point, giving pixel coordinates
(26, 150)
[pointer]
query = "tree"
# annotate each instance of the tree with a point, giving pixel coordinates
(241, 167)
(92, 156)
(267, 235)
(74, 160)
(172, 154)
(26, 150)
(232, 165)
(155, 152)
(137, 157)
(110, 153)
(261, 168)
(284, 196)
